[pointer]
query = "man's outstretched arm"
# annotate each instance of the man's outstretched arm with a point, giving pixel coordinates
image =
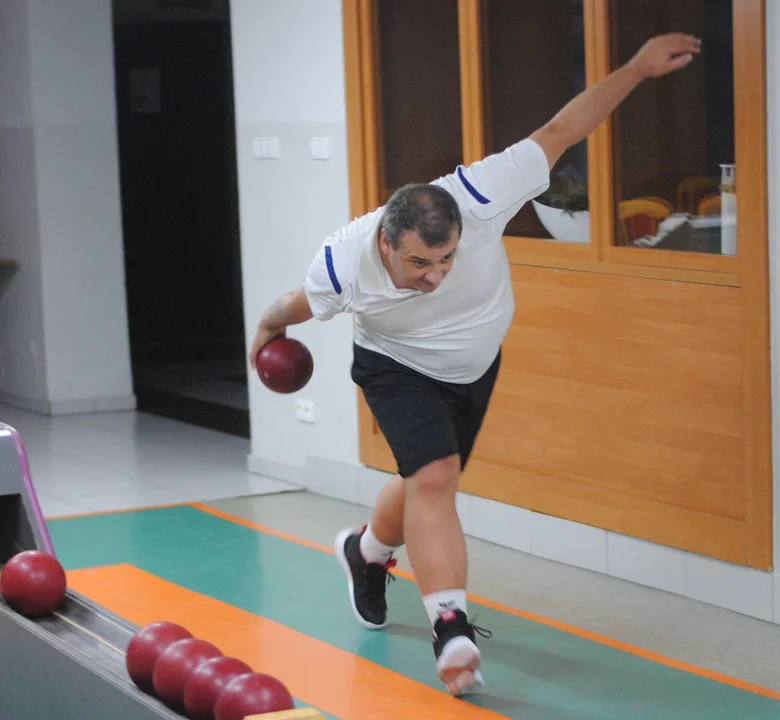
(578, 118)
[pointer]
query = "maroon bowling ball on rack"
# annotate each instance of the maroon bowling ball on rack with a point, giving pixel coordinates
(175, 666)
(146, 646)
(252, 694)
(33, 583)
(205, 684)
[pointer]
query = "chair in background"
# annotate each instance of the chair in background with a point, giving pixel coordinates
(640, 217)
(709, 205)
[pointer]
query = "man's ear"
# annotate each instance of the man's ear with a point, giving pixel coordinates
(384, 243)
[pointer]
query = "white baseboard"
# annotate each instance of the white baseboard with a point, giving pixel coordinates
(115, 403)
(73, 406)
(733, 587)
(776, 594)
(26, 403)
(268, 468)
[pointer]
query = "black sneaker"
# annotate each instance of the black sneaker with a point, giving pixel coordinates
(367, 581)
(457, 656)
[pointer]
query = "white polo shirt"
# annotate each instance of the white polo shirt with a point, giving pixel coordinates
(453, 333)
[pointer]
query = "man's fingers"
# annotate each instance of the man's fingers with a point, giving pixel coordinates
(680, 61)
(685, 44)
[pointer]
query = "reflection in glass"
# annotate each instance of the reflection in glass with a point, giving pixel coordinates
(418, 87)
(533, 63)
(673, 137)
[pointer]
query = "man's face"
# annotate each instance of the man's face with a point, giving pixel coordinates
(414, 265)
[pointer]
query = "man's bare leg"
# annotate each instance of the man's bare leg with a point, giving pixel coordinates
(437, 552)
(387, 522)
(421, 511)
(434, 536)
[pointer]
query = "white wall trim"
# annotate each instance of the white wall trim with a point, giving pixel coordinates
(271, 469)
(732, 587)
(27, 403)
(75, 406)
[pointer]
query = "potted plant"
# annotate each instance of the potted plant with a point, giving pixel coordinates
(563, 207)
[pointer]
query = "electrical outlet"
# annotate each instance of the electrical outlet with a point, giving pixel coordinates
(304, 410)
(265, 148)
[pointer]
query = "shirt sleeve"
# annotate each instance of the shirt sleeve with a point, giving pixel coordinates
(496, 187)
(327, 288)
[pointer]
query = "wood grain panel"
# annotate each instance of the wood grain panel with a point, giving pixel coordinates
(620, 404)
(698, 532)
(752, 250)
(471, 81)
(643, 398)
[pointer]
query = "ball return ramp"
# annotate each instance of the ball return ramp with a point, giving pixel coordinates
(70, 664)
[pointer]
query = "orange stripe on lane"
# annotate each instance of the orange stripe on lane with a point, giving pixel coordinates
(265, 530)
(318, 674)
(119, 511)
(571, 629)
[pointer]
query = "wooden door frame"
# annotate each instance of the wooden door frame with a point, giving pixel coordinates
(749, 270)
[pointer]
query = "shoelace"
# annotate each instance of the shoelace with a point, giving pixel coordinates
(391, 563)
(374, 590)
(483, 632)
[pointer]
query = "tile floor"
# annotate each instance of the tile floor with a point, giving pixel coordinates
(114, 461)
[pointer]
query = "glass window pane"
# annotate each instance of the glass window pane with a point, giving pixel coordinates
(418, 91)
(673, 137)
(533, 60)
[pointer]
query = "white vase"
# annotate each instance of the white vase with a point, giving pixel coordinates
(563, 226)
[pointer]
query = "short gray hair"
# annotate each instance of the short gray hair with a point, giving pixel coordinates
(428, 210)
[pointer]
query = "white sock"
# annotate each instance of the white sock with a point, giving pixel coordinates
(445, 600)
(374, 551)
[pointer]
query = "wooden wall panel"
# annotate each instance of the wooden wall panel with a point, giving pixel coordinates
(626, 389)
(658, 522)
(619, 404)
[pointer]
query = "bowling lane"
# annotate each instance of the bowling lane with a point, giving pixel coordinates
(536, 669)
(318, 674)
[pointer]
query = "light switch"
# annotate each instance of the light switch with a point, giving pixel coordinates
(320, 148)
(265, 148)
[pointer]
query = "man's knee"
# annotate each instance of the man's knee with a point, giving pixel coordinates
(437, 477)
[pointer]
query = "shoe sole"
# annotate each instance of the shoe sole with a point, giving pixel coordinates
(338, 544)
(458, 666)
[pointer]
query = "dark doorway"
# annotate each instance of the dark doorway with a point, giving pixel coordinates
(176, 131)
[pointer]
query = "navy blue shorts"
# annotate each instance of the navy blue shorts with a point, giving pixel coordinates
(422, 419)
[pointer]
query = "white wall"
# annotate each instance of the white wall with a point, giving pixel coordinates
(22, 360)
(289, 84)
(64, 320)
(85, 315)
(289, 61)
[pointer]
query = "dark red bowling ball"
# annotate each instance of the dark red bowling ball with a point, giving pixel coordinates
(33, 583)
(252, 694)
(146, 646)
(174, 667)
(285, 365)
(205, 684)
